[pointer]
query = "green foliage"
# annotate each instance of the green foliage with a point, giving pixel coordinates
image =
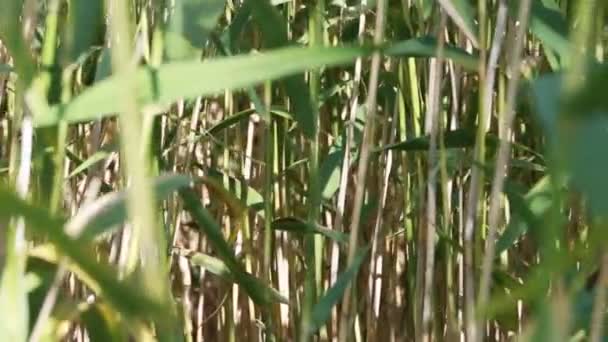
(248, 128)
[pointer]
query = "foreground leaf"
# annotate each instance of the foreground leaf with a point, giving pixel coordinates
(107, 212)
(125, 297)
(188, 79)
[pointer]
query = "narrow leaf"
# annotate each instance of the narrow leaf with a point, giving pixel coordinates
(462, 14)
(107, 212)
(219, 268)
(427, 47)
(126, 297)
(322, 310)
(252, 286)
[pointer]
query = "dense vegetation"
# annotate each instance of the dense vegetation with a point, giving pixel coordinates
(243, 170)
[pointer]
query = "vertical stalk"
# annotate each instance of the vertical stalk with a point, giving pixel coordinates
(312, 244)
(268, 203)
(432, 115)
(366, 148)
(148, 238)
(475, 199)
(345, 167)
(502, 161)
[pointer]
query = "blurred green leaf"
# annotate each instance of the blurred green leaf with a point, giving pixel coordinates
(13, 295)
(101, 278)
(86, 26)
(92, 160)
(588, 161)
(549, 25)
(591, 97)
(5, 68)
(528, 211)
(44, 273)
(173, 81)
(322, 310)
(189, 26)
(102, 324)
(11, 29)
(170, 82)
(104, 65)
(274, 31)
(582, 120)
(107, 212)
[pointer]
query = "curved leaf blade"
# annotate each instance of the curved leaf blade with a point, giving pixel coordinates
(107, 212)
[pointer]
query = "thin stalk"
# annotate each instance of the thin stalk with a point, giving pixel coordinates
(312, 244)
(375, 280)
(351, 108)
(502, 161)
(267, 273)
(432, 115)
(366, 148)
(475, 199)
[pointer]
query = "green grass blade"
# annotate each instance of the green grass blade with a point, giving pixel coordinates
(329, 173)
(190, 25)
(190, 79)
(219, 268)
(105, 214)
(253, 287)
(86, 26)
(274, 32)
(243, 115)
(322, 310)
(295, 225)
(427, 47)
(124, 296)
(92, 160)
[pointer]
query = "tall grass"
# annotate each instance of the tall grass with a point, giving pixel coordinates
(208, 170)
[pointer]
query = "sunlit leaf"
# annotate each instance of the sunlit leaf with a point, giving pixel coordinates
(101, 278)
(107, 212)
(329, 173)
(92, 160)
(189, 79)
